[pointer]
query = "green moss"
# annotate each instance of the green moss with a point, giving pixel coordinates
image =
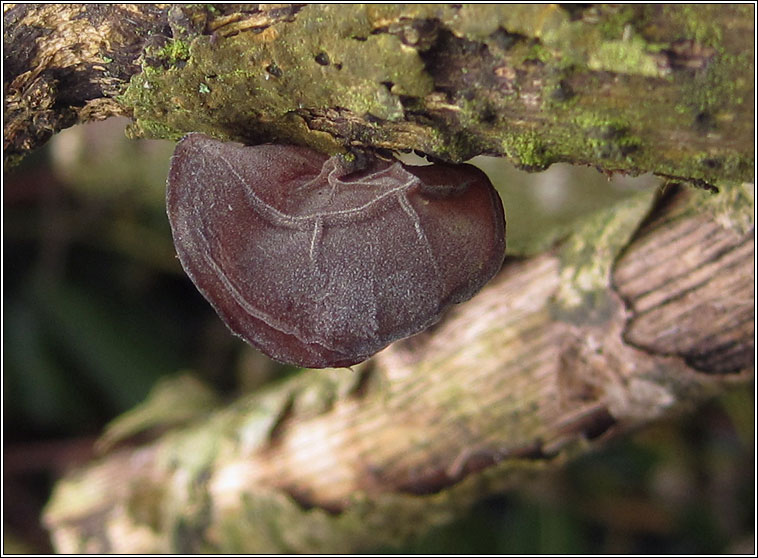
(615, 19)
(455, 146)
(718, 90)
(588, 256)
(537, 51)
(528, 150)
(630, 56)
(255, 85)
(700, 21)
(607, 137)
(251, 79)
(733, 206)
(174, 51)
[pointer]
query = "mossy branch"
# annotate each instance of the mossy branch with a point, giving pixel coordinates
(662, 88)
(558, 354)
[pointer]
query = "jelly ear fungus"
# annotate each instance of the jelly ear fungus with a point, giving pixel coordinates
(319, 266)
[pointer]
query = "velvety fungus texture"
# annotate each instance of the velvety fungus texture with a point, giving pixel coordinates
(320, 265)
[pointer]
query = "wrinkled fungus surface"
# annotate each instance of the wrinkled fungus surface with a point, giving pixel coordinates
(318, 265)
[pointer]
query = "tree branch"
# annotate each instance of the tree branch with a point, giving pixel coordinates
(558, 354)
(661, 88)
(67, 63)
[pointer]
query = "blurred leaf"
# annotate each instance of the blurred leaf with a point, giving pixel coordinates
(36, 385)
(115, 346)
(560, 533)
(172, 401)
(739, 405)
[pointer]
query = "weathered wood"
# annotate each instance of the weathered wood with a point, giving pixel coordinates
(66, 63)
(663, 88)
(559, 353)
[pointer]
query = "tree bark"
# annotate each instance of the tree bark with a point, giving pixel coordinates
(644, 310)
(660, 88)
(558, 354)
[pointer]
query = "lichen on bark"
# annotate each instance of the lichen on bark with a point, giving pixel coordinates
(630, 88)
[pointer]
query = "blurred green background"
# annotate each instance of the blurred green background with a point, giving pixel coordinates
(96, 309)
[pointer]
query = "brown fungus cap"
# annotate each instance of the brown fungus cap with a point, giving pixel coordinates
(321, 267)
